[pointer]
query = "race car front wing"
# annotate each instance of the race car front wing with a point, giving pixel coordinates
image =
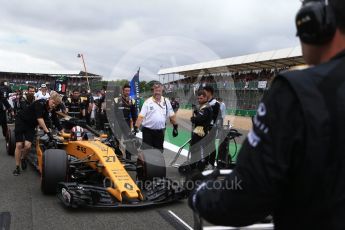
(159, 191)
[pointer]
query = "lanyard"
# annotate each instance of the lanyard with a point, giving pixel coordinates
(166, 106)
(159, 104)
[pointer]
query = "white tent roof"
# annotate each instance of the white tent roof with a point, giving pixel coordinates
(264, 60)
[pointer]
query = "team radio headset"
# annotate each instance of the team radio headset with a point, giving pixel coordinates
(315, 22)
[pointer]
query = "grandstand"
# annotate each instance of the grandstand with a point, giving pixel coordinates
(19, 80)
(241, 81)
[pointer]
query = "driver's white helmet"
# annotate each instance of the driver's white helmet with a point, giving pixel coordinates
(77, 133)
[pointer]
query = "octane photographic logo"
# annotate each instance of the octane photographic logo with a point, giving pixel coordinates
(168, 52)
(235, 184)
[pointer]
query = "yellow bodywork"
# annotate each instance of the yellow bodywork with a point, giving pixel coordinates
(39, 155)
(105, 161)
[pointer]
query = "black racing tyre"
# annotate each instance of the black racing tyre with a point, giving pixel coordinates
(11, 142)
(54, 169)
(150, 165)
(5, 220)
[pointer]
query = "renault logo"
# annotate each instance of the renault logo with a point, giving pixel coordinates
(128, 186)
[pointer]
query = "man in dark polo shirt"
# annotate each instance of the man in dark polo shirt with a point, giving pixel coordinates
(38, 113)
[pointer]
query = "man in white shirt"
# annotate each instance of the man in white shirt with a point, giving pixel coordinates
(152, 116)
(43, 93)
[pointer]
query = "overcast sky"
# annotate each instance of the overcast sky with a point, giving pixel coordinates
(116, 37)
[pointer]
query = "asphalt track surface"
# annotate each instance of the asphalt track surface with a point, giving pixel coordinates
(21, 197)
(30, 209)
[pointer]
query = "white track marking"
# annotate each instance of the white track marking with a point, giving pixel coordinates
(180, 220)
(168, 146)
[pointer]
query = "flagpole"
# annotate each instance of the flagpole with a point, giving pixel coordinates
(138, 96)
(87, 78)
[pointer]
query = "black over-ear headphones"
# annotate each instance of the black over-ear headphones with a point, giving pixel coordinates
(315, 22)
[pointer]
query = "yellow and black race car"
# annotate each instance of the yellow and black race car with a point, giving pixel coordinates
(85, 172)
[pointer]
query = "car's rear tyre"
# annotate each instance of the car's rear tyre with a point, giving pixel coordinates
(150, 165)
(11, 142)
(54, 170)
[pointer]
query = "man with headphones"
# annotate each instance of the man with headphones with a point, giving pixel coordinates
(292, 163)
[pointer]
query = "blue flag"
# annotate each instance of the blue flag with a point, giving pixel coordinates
(135, 90)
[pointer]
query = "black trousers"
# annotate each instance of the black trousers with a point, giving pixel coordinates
(101, 118)
(88, 118)
(153, 138)
(197, 160)
(3, 121)
(210, 149)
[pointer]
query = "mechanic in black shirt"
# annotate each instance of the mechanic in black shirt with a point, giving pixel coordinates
(26, 121)
(210, 151)
(101, 115)
(4, 107)
(5, 89)
(175, 104)
(292, 162)
(75, 107)
(27, 99)
(201, 119)
(87, 100)
(125, 111)
(126, 106)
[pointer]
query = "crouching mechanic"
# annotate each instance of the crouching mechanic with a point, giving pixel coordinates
(26, 121)
(153, 117)
(292, 162)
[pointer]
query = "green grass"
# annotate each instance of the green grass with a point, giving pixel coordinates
(184, 135)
